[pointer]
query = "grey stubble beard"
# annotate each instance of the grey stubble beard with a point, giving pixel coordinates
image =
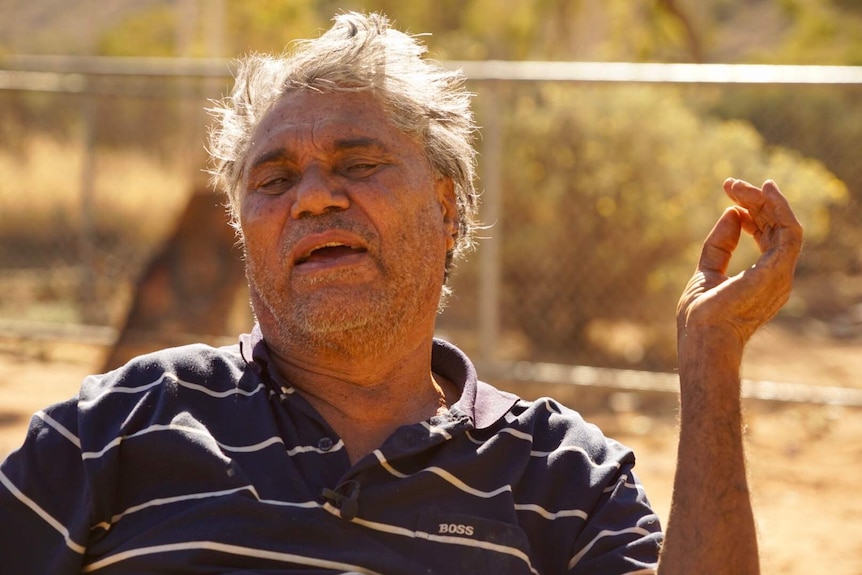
(367, 326)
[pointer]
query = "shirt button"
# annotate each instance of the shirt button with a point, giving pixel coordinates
(325, 444)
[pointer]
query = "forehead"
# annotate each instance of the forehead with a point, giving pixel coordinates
(310, 118)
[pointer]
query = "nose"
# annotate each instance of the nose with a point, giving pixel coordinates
(317, 193)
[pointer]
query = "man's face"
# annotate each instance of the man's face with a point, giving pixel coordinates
(346, 227)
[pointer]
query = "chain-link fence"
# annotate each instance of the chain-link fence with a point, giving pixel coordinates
(598, 194)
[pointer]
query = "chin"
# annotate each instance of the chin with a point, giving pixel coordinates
(349, 316)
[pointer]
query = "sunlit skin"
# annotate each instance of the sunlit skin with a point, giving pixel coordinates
(346, 230)
(711, 525)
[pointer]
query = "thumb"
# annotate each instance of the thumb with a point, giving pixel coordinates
(719, 245)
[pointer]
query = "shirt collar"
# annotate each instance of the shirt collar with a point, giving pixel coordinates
(483, 403)
(253, 348)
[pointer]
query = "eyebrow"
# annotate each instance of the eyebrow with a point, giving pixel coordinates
(278, 155)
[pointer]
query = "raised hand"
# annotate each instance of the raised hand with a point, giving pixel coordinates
(744, 302)
(711, 525)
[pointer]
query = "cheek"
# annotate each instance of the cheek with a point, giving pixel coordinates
(429, 231)
(260, 218)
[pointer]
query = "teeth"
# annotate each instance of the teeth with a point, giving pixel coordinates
(320, 247)
(327, 245)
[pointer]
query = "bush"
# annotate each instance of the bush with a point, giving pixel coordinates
(608, 193)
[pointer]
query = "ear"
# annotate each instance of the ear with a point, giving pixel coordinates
(445, 191)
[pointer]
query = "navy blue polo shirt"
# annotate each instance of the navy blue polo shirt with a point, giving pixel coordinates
(199, 460)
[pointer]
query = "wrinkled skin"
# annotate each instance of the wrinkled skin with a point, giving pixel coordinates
(711, 526)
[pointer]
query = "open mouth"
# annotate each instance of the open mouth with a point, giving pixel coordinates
(329, 252)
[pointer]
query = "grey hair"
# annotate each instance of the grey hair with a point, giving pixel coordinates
(360, 52)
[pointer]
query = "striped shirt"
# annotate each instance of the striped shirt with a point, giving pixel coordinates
(198, 460)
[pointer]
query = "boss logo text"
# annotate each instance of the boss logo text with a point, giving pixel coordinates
(455, 529)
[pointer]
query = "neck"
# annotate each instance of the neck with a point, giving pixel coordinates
(323, 370)
(364, 398)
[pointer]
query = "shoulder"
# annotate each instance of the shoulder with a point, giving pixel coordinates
(153, 386)
(221, 367)
(561, 435)
(195, 360)
(182, 387)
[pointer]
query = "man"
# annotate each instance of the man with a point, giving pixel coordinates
(339, 436)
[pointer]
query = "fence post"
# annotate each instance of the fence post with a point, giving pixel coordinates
(90, 311)
(489, 251)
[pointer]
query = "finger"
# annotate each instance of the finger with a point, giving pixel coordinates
(787, 227)
(751, 198)
(779, 236)
(774, 222)
(743, 193)
(767, 205)
(719, 245)
(748, 225)
(773, 196)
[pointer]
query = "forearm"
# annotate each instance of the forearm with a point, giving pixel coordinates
(711, 526)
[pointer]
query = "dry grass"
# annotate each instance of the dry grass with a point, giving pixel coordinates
(42, 187)
(75, 236)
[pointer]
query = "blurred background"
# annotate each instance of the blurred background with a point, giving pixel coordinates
(597, 192)
(607, 129)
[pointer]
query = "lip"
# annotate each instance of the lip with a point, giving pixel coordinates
(331, 238)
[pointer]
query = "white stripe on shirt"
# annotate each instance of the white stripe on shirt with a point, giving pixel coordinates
(551, 515)
(602, 534)
(182, 383)
(57, 426)
(228, 549)
(445, 475)
(47, 517)
(447, 539)
(204, 495)
(535, 453)
(185, 429)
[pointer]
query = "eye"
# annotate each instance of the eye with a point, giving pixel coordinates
(360, 169)
(275, 185)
